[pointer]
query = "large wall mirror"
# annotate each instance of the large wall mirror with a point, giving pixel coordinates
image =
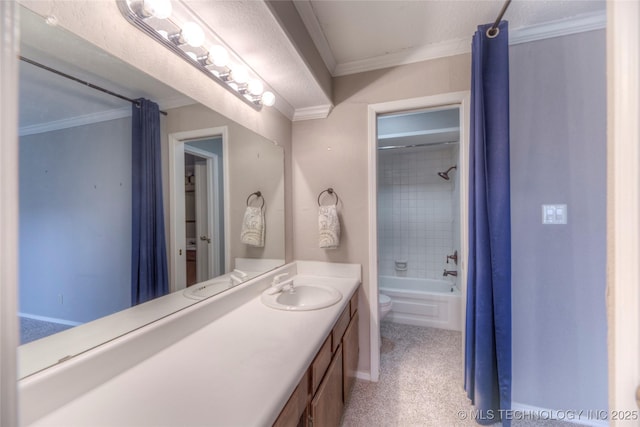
(75, 198)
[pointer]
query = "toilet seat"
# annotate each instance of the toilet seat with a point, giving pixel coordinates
(384, 300)
(384, 305)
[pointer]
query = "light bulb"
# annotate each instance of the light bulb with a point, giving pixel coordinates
(193, 34)
(255, 87)
(219, 55)
(240, 75)
(268, 99)
(160, 9)
(192, 56)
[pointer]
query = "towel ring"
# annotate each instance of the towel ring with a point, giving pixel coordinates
(331, 192)
(258, 195)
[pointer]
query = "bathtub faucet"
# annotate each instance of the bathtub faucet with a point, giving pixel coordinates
(449, 273)
(453, 257)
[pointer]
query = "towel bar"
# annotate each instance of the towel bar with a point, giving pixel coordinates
(258, 195)
(331, 192)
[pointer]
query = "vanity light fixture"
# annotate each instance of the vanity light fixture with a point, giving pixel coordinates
(173, 25)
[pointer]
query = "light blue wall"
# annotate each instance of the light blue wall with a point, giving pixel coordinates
(558, 155)
(75, 221)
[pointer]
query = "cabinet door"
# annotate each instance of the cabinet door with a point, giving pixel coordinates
(320, 365)
(327, 405)
(351, 354)
(295, 411)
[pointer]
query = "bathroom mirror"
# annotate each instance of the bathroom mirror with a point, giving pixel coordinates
(75, 197)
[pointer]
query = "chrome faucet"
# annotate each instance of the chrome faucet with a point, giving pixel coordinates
(277, 285)
(278, 278)
(449, 273)
(237, 277)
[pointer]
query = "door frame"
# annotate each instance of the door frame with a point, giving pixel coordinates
(177, 238)
(453, 99)
(623, 205)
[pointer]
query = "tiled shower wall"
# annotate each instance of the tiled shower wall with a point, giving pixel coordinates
(417, 210)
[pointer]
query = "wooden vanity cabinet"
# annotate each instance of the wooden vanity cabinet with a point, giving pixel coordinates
(351, 349)
(327, 404)
(320, 365)
(319, 399)
(294, 413)
(350, 356)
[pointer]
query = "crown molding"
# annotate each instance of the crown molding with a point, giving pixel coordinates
(577, 24)
(404, 57)
(284, 107)
(310, 113)
(97, 117)
(565, 27)
(87, 119)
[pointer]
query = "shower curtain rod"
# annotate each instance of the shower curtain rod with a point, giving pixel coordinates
(426, 144)
(75, 79)
(492, 32)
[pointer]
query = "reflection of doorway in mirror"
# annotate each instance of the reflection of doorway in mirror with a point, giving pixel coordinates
(209, 144)
(203, 209)
(190, 216)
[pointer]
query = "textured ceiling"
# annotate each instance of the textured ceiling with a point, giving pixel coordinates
(252, 30)
(350, 36)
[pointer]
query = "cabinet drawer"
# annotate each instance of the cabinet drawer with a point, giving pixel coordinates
(296, 406)
(354, 302)
(320, 364)
(340, 327)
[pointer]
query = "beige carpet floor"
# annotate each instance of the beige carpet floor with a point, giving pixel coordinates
(420, 383)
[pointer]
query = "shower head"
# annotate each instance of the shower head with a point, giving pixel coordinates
(445, 175)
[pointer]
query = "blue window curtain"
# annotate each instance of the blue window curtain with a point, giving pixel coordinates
(488, 321)
(149, 278)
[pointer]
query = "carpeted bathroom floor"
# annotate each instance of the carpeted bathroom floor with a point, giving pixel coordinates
(420, 383)
(32, 329)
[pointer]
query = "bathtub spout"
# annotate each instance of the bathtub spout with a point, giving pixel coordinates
(449, 273)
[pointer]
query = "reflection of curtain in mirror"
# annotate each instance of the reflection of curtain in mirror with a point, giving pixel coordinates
(148, 253)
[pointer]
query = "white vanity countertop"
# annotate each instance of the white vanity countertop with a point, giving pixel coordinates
(237, 371)
(45, 352)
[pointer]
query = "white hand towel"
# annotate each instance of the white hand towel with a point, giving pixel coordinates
(329, 227)
(253, 226)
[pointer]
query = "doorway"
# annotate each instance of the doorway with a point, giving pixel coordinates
(460, 102)
(202, 212)
(199, 246)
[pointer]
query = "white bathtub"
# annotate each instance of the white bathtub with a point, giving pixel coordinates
(423, 302)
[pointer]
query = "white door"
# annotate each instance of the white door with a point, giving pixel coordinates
(204, 232)
(209, 239)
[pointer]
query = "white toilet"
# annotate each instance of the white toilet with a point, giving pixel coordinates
(384, 304)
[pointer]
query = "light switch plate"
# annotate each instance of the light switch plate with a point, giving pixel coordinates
(554, 214)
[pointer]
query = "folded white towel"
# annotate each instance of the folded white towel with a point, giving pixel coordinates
(253, 226)
(329, 227)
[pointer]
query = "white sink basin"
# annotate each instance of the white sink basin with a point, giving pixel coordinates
(205, 290)
(302, 298)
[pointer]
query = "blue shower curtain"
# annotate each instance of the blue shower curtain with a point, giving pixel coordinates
(488, 321)
(149, 277)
